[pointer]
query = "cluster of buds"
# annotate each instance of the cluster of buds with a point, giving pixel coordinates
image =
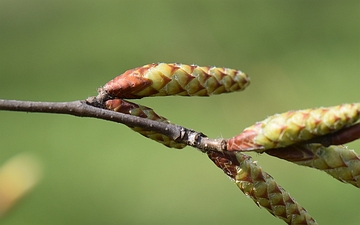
(165, 79)
(310, 137)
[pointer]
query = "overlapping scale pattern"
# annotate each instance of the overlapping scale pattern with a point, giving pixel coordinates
(164, 79)
(338, 161)
(285, 129)
(261, 187)
(302, 137)
(130, 108)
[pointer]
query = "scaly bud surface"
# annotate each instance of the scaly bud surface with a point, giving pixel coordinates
(119, 105)
(285, 129)
(338, 161)
(164, 79)
(261, 187)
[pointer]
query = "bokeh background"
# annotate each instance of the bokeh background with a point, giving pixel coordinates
(299, 54)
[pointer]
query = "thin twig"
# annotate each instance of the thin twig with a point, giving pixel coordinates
(82, 109)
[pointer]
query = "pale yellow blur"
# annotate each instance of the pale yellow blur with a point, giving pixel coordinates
(17, 177)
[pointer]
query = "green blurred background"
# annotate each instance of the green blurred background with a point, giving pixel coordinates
(299, 54)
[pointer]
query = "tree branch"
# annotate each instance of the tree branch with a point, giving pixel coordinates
(82, 109)
(246, 173)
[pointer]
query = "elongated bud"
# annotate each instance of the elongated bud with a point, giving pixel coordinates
(338, 161)
(261, 187)
(126, 107)
(164, 79)
(285, 129)
(130, 108)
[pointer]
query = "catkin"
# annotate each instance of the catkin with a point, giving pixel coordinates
(285, 129)
(164, 79)
(261, 187)
(130, 108)
(338, 161)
